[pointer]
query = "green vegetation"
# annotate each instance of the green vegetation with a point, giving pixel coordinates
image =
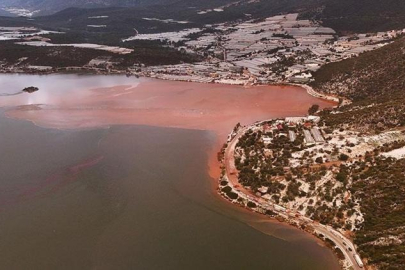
(375, 76)
(147, 54)
(381, 187)
(228, 191)
(251, 204)
(313, 109)
(47, 56)
(339, 253)
(359, 16)
(263, 159)
(269, 168)
(375, 82)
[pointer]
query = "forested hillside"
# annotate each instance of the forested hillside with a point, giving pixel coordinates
(144, 53)
(376, 75)
(123, 18)
(342, 15)
(380, 186)
(360, 15)
(374, 81)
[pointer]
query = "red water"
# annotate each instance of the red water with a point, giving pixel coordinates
(212, 107)
(74, 102)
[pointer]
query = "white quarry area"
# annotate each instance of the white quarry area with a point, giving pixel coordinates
(387, 241)
(112, 49)
(397, 153)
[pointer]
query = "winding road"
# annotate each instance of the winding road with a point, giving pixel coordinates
(345, 245)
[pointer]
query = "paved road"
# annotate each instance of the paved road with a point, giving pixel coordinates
(231, 173)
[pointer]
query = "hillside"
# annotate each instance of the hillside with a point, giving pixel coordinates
(51, 6)
(376, 75)
(375, 81)
(120, 17)
(121, 22)
(383, 233)
(345, 16)
(60, 57)
(359, 15)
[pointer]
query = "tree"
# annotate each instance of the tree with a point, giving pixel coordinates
(343, 157)
(251, 204)
(341, 177)
(319, 160)
(313, 109)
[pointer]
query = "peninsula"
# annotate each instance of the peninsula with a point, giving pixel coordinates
(336, 173)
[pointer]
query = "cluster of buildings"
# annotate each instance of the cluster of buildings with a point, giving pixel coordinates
(278, 49)
(312, 197)
(311, 133)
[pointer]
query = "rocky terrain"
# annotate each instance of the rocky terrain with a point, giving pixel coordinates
(343, 168)
(377, 76)
(375, 83)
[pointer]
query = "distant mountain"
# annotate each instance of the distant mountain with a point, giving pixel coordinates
(345, 16)
(124, 18)
(51, 6)
(5, 13)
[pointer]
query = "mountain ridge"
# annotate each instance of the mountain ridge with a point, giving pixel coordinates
(46, 7)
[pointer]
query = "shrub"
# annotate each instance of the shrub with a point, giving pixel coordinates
(232, 195)
(343, 157)
(251, 204)
(319, 160)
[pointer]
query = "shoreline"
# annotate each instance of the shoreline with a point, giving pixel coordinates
(247, 200)
(214, 164)
(85, 71)
(311, 91)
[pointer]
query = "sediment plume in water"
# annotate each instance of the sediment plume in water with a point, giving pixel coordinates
(213, 107)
